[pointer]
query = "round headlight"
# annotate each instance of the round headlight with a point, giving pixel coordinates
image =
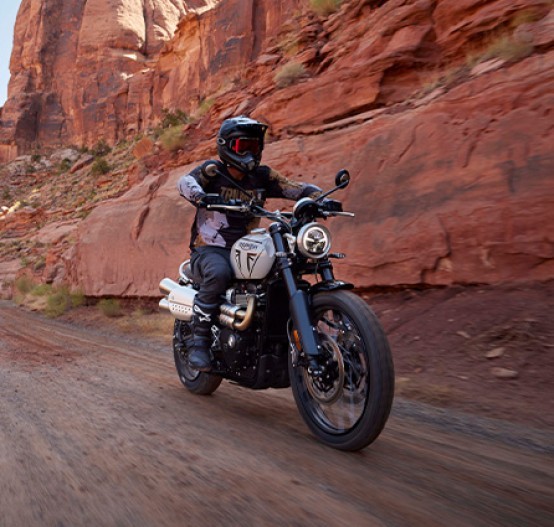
(314, 241)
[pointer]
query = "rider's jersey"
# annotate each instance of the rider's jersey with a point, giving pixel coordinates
(223, 229)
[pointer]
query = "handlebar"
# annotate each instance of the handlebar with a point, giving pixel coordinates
(257, 210)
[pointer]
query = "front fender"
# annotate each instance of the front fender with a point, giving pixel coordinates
(332, 285)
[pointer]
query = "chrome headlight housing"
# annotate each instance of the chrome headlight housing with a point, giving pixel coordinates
(314, 240)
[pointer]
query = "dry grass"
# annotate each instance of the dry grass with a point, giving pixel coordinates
(289, 74)
(505, 47)
(325, 7)
(153, 324)
(173, 138)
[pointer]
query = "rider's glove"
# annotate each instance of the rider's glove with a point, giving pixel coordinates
(332, 205)
(210, 199)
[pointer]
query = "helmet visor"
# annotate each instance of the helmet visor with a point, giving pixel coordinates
(246, 145)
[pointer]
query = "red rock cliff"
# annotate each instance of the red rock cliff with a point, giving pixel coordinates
(84, 70)
(440, 109)
(73, 65)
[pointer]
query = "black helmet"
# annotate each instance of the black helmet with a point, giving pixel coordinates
(240, 142)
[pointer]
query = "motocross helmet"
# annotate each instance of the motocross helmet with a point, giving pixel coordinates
(240, 142)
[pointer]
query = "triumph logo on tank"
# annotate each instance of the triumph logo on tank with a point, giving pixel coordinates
(251, 259)
(247, 246)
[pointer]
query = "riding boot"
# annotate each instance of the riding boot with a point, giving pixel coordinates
(199, 357)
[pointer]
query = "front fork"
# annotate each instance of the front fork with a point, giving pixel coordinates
(298, 304)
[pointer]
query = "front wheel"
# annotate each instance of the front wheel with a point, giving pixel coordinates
(194, 381)
(348, 407)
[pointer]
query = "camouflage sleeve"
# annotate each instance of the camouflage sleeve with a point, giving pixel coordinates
(191, 186)
(281, 187)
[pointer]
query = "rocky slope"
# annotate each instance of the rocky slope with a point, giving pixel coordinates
(440, 109)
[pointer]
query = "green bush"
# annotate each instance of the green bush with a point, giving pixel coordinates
(110, 307)
(57, 303)
(77, 298)
(100, 166)
(325, 7)
(40, 263)
(101, 148)
(42, 290)
(289, 74)
(65, 165)
(24, 284)
(204, 107)
(173, 138)
(171, 119)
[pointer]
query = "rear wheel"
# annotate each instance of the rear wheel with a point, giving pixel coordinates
(195, 381)
(349, 406)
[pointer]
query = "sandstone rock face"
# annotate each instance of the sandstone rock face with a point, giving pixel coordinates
(92, 70)
(440, 110)
(72, 66)
(439, 196)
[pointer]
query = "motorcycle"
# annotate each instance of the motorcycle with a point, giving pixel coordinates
(277, 329)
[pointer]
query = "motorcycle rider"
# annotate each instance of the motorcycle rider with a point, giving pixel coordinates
(240, 142)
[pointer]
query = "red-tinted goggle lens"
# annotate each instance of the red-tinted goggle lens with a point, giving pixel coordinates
(246, 145)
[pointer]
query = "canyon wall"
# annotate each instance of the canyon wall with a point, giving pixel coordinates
(440, 109)
(84, 70)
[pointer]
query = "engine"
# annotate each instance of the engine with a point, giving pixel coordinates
(239, 350)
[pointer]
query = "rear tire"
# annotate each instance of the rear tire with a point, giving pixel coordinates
(349, 411)
(197, 382)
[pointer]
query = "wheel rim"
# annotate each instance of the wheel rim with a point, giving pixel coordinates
(186, 373)
(341, 412)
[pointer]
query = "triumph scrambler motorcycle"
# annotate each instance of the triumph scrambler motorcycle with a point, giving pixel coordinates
(277, 329)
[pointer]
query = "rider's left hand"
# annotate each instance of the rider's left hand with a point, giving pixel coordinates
(332, 205)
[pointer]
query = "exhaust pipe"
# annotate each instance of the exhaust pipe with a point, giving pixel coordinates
(180, 299)
(236, 317)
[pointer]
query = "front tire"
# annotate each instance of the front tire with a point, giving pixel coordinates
(197, 382)
(349, 409)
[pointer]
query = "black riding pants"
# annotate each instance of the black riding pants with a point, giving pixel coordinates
(211, 267)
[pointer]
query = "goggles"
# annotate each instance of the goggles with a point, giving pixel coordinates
(246, 145)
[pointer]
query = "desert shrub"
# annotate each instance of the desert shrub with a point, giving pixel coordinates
(100, 166)
(110, 307)
(204, 107)
(77, 298)
(24, 284)
(101, 148)
(173, 138)
(289, 74)
(65, 165)
(41, 290)
(508, 48)
(171, 119)
(57, 303)
(40, 263)
(6, 194)
(505, 47)
(325, 7)
(35, 158)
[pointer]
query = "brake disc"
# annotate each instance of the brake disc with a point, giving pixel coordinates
(327, 391)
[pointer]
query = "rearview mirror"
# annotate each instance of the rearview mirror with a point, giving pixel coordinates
(342, 178)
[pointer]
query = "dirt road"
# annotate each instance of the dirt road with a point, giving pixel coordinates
(97, 430)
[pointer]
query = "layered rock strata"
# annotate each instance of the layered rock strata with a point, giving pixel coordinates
(440, 109)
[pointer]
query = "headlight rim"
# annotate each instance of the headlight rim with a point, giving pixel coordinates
(301, 239)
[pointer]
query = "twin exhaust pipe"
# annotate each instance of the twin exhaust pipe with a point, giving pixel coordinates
(180, 299)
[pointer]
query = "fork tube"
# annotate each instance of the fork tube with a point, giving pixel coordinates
(298, 299)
